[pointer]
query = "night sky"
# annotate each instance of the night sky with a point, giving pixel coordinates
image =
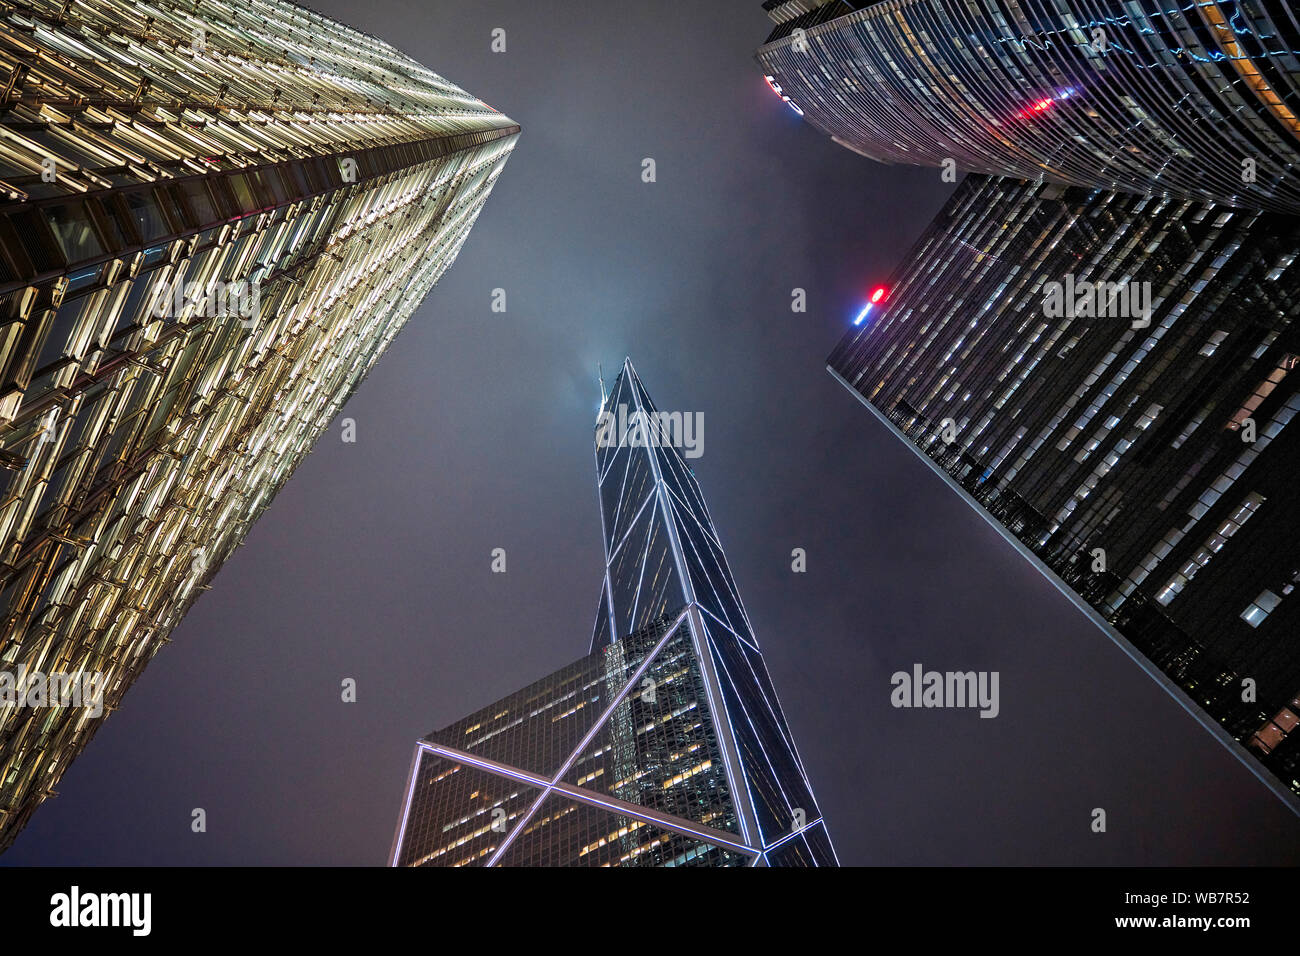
(475, 432)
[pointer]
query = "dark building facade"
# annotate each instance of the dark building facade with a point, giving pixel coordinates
(1198, 100)
(214, 221)
(666, 745)
(586, 767)
(1113, 380)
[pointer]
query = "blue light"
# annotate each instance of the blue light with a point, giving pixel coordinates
(863, 314)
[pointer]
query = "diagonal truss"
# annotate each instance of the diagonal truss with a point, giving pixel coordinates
(623, 808)
(587, 739)
(665, 571)
(739, 691)
(555, 783)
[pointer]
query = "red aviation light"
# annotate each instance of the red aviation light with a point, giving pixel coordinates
(876, 297)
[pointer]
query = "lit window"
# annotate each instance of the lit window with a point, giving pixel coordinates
(1260, 608)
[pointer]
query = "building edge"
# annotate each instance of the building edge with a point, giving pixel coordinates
(1274, 785)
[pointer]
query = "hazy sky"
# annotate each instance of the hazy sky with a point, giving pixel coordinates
(475, 432)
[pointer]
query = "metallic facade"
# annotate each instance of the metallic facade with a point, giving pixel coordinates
(1149, 460)
(151, 158)
(665, 746)
(1194, 99)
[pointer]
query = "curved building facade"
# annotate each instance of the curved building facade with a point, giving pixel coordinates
(1196, 100)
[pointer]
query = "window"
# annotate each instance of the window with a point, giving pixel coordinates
(1260, 608)
(1213, 342)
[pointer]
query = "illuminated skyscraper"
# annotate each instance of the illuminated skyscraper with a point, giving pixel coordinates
(1198, 100)
(666, 745)
(216, 220)
(1144, 458)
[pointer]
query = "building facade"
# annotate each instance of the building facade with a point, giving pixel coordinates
(213, 224)
(666, 745)
(1113, 380)
(1195, 100)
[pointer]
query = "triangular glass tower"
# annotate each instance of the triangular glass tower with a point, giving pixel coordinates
(665, 746)
(662, 554)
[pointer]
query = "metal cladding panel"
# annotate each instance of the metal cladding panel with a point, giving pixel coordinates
(1192, 100)
(213, 222)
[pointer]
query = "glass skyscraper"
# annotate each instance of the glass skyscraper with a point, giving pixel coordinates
(213, 222)
(1094, 342)
(666, 745)
(1198, 100)
(1144, 458)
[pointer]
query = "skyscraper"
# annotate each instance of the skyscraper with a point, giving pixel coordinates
(215, 220)
(666, 745)
(1198, 100)
(1112, 380)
